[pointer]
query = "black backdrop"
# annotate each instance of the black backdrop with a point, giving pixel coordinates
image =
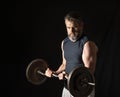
(35, 30)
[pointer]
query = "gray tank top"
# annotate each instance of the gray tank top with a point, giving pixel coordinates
(73, 52)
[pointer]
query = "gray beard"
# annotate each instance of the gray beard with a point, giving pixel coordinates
(74, 39)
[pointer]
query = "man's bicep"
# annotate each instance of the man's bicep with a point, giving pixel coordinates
(89, 55)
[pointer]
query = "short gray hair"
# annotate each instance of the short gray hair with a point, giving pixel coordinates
(73, 16)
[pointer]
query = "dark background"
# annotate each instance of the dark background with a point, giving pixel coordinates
(35, 29)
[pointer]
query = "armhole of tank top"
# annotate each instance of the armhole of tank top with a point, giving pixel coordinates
(83, 43)
(62, 44)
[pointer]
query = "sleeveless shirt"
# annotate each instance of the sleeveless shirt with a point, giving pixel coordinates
(73, 52)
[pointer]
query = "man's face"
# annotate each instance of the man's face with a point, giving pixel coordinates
(74, 29)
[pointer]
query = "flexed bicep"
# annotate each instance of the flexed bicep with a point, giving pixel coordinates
(89, 55)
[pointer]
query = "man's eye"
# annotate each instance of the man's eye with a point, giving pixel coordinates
(68, 27)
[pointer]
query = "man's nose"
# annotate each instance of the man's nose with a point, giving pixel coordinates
(72, 30)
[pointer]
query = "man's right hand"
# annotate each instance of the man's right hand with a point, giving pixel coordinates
(62, 75)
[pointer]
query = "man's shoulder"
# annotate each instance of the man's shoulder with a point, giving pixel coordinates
(65, 39)
(92, 45)
(84, 36)
(84, 39)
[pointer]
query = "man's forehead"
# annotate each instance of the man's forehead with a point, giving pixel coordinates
(72, 22)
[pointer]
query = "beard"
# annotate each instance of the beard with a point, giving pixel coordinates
(74, 36)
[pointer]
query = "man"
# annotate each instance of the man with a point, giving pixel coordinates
(77, 49)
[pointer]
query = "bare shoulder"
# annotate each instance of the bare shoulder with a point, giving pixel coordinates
(62, 44)
(90, 45)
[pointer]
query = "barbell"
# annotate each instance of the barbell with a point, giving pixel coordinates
(80, 82)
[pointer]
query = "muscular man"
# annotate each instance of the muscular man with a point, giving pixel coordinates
(77, 49)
